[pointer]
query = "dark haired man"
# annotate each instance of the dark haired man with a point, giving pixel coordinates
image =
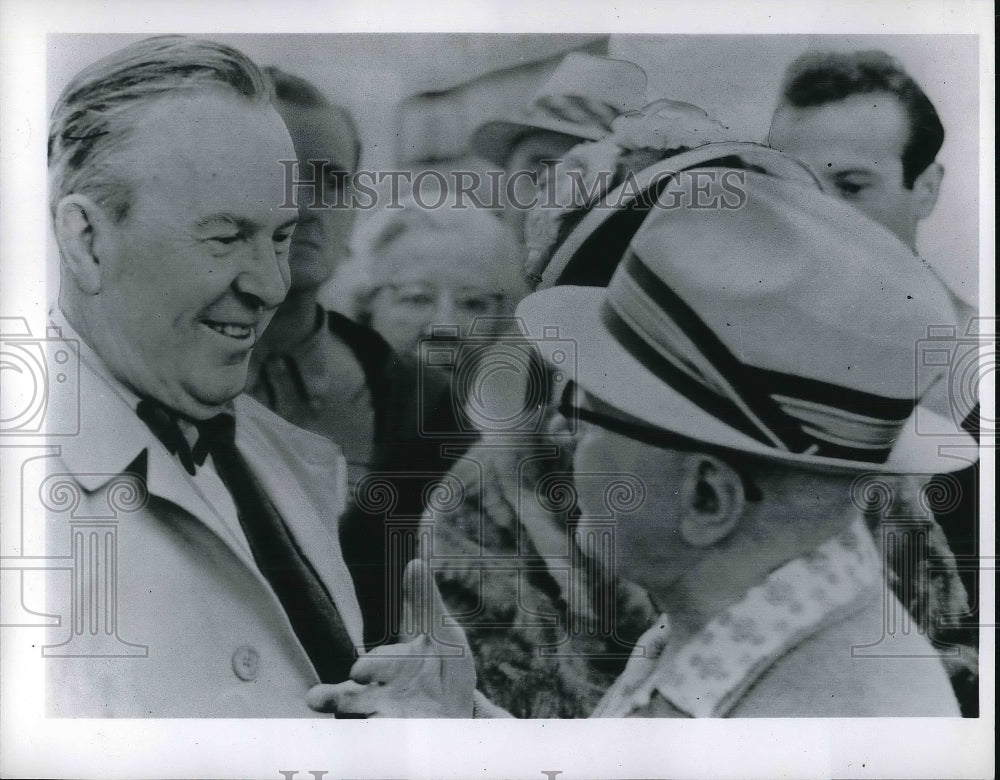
(867, 128)
(871, 133)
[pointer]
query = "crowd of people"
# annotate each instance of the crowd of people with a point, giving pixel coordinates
(609, 455)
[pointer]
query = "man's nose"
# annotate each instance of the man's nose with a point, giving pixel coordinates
(440, 314)
(444, 312)
(265, 275)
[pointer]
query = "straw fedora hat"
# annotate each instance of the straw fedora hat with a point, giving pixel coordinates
(590, 251)
(785, 328)
(580, 99)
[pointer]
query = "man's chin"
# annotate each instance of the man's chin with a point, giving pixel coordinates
(202, 402)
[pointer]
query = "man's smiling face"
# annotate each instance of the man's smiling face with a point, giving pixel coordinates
(192, 276)
(856, 145)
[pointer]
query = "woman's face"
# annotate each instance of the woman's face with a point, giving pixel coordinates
(442, 289)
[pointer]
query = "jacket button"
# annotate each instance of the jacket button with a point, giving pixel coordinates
(246, 663)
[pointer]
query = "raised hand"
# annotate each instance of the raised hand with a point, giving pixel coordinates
(428, 674)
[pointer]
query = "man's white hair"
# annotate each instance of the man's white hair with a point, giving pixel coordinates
(94, 113)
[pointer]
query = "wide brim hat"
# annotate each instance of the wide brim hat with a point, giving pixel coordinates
(590, 252)
(786, 329)
(580, 100)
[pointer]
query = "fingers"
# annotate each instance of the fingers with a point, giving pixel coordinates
(344, 699)
(421, 689)
(430, 674)
(389, 662)
(651, 644)
(415, 620)
(350, 700)
(424, 613)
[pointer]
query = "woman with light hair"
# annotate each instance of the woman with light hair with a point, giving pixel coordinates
(420, 272)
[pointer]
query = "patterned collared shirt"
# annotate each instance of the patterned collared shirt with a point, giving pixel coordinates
(710, 671)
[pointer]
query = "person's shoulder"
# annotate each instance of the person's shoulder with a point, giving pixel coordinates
(392, 373)
(406, 371)
(854, 667)
(255, 419)
(366, 343)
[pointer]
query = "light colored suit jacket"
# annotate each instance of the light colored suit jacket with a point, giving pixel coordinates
(163, 610)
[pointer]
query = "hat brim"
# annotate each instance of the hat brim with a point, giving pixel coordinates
(608, 371)
(493, 141)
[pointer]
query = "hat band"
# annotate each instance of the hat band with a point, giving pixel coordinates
(786, 412)
(575, 110)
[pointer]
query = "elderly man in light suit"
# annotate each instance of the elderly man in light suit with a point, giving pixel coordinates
(228, 591)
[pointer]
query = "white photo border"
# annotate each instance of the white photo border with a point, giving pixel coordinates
(31, 745)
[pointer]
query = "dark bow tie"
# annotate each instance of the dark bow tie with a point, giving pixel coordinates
(304, 597)
(214, 434)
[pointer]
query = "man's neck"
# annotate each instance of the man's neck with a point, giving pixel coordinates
(73, 327)
(723, 574)
(74, 317)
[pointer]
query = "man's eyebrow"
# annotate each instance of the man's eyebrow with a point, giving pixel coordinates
(291, 222)
(241, 223)
(854, 172)
(224, 218)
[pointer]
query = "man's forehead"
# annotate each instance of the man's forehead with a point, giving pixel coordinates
(207, 122)
(873, 123)
(206, 150)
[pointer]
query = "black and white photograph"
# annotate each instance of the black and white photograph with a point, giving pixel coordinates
(490, 376)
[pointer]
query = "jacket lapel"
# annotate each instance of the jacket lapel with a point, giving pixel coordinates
(111, 436)
(282, 471)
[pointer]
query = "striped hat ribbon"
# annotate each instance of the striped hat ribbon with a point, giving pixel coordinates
(787, 412)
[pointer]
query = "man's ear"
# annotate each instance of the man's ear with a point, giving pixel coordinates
(79, 226)
(926, 188)
(712, 500)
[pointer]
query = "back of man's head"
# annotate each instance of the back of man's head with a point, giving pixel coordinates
(289, 88)
(291, 92)
(818, 77)
(93, 115)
